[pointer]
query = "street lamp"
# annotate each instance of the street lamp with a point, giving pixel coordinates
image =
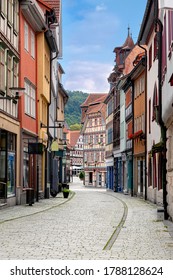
(16, 94)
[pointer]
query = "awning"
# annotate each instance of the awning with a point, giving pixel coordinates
(77, 167)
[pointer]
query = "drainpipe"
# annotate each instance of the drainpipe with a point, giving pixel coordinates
(132, 181)
(158, 24)
(46, 154)
(145, 118)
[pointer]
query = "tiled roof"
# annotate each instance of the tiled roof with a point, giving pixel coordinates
(94, 98)
(128, 43)
(73, 137)
(56, 5)
(95, 103)
(130, 59)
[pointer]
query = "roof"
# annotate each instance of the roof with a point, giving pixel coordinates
(128, 44)
(95, 103)
(55, 5)
(130, 59)
(97, 108)
(94, 98)
(73, 137)
(147, 22)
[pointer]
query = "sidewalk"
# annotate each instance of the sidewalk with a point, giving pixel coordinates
(19, 211)
(94, 224)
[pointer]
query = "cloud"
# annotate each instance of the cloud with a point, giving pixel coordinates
(100, 8)
(87, 76)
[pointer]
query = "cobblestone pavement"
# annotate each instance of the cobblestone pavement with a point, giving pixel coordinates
(92, 224)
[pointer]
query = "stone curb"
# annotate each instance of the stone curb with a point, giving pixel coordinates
(37, 211)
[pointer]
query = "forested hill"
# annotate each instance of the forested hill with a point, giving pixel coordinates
(72, 108)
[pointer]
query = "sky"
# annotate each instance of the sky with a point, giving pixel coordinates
(91, 29)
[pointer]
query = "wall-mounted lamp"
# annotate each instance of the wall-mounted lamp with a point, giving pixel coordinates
(16, 93)
(59, 125)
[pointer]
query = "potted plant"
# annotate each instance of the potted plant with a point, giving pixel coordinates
(82, 175)
(66, 192)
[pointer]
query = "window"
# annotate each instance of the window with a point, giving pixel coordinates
(109, 108)
(155, 104)
(4, 7)
(149, 105)
(15, 73)
(30, 100)
(47, 68)
(143, 122)
(32, 44)
(155, 47)
(160, 159)
(122, 130)
(97, 156)
(154, 171)
(170, 28)
(15, 16)
(44, 115)
(9, 67)
(90, 123)
(26, 45)
(102, 156)
(149, 171)
(164, 49)
(2, 69)
(10, 11)
(110, 135)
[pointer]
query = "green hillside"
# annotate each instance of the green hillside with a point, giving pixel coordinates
(72, 108)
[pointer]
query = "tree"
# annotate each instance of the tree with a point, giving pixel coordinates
(75, 126)
(72, 108)
(82, 175)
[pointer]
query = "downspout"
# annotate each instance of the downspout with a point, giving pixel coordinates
(133, 118)
(145, 118)
(46, 155)
(158, 23)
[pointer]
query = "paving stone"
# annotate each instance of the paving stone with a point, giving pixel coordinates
(80, 228)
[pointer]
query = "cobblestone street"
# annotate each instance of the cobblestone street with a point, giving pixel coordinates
(93, 224)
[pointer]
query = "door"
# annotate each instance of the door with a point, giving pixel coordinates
(130, 175)
(11, 174)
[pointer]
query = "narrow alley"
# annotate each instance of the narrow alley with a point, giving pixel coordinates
(92, 224)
